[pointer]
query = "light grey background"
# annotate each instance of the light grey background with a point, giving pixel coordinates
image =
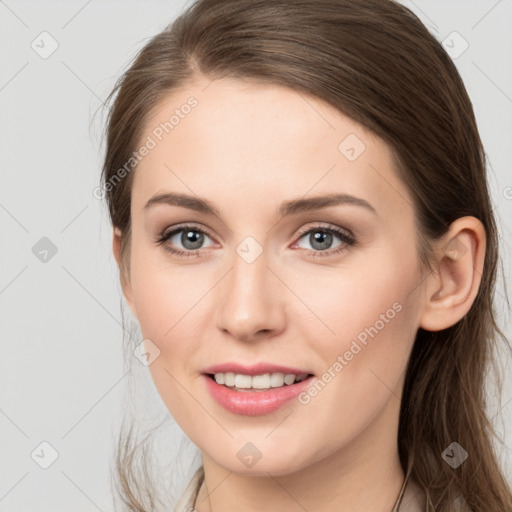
(62, 378)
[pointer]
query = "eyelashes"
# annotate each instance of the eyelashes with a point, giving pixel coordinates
(165, 236)
(346, 240)
(327, 235)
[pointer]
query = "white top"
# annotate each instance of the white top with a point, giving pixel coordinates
(410, 499)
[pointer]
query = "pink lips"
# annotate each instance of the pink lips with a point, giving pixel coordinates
(254, 403)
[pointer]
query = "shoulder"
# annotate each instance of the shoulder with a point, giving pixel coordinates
(412, 499)
(415, 499)
(187, 500)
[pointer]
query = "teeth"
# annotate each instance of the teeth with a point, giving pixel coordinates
(243, 381)
(289, 379)
(265, 381)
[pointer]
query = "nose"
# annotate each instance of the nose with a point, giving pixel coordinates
(251, 301)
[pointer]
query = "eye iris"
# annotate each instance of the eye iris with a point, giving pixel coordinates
(321, 237)
(192, 237)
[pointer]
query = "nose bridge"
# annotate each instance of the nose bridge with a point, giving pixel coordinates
(250, 302)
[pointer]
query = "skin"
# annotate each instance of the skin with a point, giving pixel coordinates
(246, 148)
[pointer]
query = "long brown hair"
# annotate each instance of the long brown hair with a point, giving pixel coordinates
(376, 62)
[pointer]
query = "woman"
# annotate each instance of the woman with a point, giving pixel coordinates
(304, 234)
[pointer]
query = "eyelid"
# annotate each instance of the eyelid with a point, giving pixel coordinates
(327, 227)
(187, 225)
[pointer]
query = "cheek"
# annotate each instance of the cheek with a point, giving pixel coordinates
(174, 305)
(372, 311)
(169, 307)
(363, 295)
(162, 292)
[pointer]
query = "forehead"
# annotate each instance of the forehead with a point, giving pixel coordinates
(263, 141)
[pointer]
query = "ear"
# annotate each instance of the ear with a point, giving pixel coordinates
(451, 290)
(124, 274)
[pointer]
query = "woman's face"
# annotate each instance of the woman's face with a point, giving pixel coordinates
(267, 279)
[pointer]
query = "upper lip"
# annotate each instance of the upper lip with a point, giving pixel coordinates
(255, 369)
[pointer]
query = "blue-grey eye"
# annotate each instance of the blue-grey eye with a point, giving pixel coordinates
(190, 239)
(320, 239)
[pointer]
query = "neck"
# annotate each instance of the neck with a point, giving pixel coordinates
(364, 475)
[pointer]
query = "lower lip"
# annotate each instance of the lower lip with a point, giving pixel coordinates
(254, 403)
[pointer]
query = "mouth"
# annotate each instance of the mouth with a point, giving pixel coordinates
(258, 394)
(256, 389)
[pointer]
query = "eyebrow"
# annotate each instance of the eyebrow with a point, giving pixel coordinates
(291, 207)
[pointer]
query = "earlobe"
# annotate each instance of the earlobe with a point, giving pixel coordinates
(451, 291)
(123, 274)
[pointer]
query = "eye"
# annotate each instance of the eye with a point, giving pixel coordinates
(321, 239)
(190, 237)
